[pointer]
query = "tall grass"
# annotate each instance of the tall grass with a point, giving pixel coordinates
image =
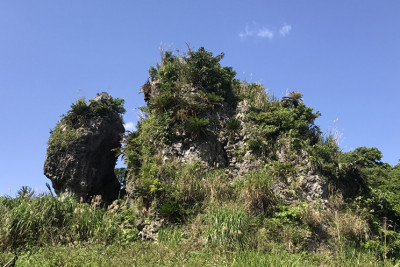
(153, 254)
(170, 236)
(228, 227)
(50, 231)
(28, 222)
(256, 193)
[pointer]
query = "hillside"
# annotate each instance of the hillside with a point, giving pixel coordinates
(219, 172)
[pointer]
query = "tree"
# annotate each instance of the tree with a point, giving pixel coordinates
(294, 97)
(26, 192)
(365, 157)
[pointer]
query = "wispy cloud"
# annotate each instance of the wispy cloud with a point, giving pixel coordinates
(257, 31)
(265, 33)
(246, 33)
(285, 30)
(129, 126)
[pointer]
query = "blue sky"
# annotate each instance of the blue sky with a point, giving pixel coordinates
(343, 55)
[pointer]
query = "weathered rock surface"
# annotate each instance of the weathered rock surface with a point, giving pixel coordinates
(241, 159)
(207, 150)
(84, 166)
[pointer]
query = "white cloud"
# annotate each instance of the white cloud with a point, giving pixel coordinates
(129, 126)
(246, 33)
(265, 33)
(285, 30)
(256, 31)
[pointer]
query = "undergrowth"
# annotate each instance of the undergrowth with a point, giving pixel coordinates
(59, 231)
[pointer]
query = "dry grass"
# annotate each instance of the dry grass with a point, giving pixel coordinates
(313, 215)
(351, 226)
(218, 187)
(256, 193)
(190, 184)
(336, 201)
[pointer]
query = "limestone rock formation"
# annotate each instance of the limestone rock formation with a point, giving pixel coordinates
(198, 113)
(221, 147)
(82, 149)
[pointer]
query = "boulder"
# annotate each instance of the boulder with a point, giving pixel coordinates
(82, 150)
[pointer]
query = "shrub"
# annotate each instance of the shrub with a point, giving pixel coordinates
(204, 71)
(255, 94)
(129, 235)
(282, 170)
(324, 156)
(254, 144)
(214, 99)
(295, 237)
(286, 225)
(170, 209)
(80, 110)
(196, 126)
(120, 173)
(233, 125)
(26, 191)
(99, 108)
(80, 107)
(162, 102)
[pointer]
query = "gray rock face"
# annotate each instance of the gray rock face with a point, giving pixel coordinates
(81, 155)
(243, 162)
(208, 150)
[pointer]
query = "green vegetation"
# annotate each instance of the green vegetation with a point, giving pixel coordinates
(69, 129)
(250, 213)
(49, 231)
(81, 111)
(153, 254)
(29, 222)
(187, 87)
(207, 215)
(184, 97)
